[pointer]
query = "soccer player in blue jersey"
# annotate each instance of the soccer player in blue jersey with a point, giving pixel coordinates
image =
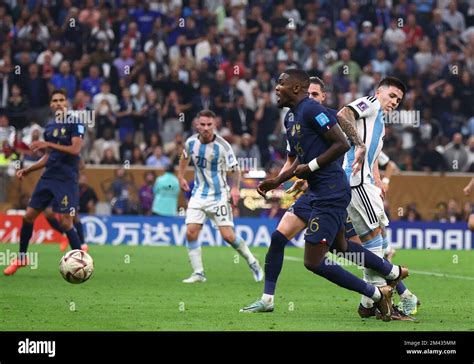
(58, 184)
(298, 215)
(212, 158)
(317, 142)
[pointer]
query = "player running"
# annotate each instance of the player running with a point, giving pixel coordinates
(316, 140)
(212, 158)
(408, 301)
(366, 208)
(58, 184)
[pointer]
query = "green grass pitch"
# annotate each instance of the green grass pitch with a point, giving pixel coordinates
(139, 288)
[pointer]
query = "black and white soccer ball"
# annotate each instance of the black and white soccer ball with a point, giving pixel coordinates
(76, 266)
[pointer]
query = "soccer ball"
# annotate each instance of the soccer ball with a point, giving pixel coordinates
(76, 266)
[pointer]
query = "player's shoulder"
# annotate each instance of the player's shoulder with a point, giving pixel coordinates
(192, 138)
(364, 104)
(223, 143)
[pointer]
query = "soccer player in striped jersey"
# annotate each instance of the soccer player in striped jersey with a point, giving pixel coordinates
(212, 158)
(366, 210)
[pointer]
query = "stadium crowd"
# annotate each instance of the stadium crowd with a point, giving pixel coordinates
(146, 68)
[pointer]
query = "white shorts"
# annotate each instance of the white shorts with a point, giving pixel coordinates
(219, 212)
(366, 209)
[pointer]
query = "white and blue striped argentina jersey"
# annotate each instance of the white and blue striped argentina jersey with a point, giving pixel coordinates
(371, 128)
(211, 163)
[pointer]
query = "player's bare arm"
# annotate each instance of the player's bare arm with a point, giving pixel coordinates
(183, 163)
(346, 119)
(74, 148)
(34, 167)
(234, 183)
(469, 187)
(338, 146)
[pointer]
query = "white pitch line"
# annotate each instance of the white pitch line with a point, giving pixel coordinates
(434, 274)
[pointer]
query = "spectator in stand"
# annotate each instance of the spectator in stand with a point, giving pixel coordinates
(17, 108)
(248, 153)
(87, 196)
(65, 80)
(157, 159)
(92, 84)
(145, 193)
(100, 145)
(456, 154)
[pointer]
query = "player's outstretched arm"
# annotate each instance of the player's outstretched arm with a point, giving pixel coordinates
(346, 119)
(74, 148)
(34, 167)
(338, 146)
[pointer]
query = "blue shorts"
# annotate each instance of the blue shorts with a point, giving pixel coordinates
(63, 196)
(303, 209)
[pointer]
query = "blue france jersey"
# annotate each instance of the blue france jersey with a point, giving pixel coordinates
(305, 126)
(62, 166)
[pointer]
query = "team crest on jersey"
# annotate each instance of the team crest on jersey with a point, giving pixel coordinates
(55, 133)
(63, 131)
(362, 106)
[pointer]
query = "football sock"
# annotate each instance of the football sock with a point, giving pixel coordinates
(369, 259)
(73, 238)
(274, 261)
(243, 250)
(55, 224)
(25, 236)
(371, 276)
(195, 256)
(336, 274)
(267, 298)
(80, 231)
(402, 290)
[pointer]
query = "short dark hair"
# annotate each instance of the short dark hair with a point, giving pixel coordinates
(395, 82)
(317, 81)
(299, 75)
(57, 91)
(206, 113)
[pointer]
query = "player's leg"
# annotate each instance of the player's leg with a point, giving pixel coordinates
(55, 224)
(293, 221)
(25, 236)
(408, 301)
(194, 253)
(236, 242)
(65, 202)
(316, 247)
(195, 218)
(80, 231)
(289, 226)
(40, 199)
(366, 211)
(358, 254)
